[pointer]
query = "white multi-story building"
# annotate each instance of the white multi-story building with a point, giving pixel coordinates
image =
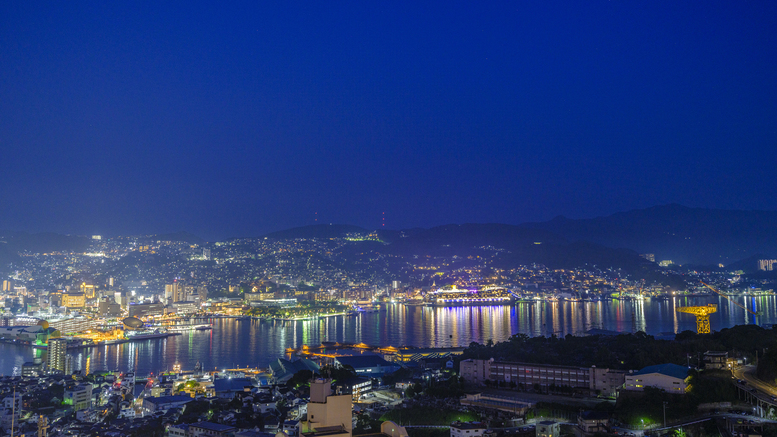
(328, 414)
(468, 429)
(80, 396)
(604, 381)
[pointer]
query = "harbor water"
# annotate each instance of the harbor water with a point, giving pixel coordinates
(240, 343)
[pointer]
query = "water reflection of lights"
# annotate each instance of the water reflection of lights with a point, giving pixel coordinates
(259, 342)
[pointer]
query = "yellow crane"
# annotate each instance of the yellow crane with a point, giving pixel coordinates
(702, 314)
(729, 299)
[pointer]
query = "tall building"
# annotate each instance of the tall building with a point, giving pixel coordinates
(88, 290)
(188, 292)
(766, 264)
(56, 361)
(328, 414)
(202, 291)
(175, 292)
(6, 285)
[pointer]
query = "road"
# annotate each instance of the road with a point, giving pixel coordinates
(747, 373)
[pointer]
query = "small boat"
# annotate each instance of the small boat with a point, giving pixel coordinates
(203, 328)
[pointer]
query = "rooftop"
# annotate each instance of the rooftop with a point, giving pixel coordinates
(327, 430)
(210, 426)
(468, 425)
(673, 370)
(168, 399)
(357, 361)
(594, 415)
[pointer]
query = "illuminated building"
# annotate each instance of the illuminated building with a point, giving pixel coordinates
(87, 290)
(766, 265)
(408, 355)
(80, 396)
(175, 292)
(106, 308)
(146, 309)
(328, 414)
(74, 324)
(372, 366)
(56, 360)
(73, 300)
(6, 285)
(669, 377)
(590, 379)
(32, 369)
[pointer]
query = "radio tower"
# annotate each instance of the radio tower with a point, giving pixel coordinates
(383, 222)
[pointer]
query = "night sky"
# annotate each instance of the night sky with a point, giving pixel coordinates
(236, 120)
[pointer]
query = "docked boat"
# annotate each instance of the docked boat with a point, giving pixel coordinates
(453, 296)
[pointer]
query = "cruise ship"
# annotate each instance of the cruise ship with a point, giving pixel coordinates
(453, 296)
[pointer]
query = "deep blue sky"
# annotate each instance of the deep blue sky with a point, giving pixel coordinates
(235, 120)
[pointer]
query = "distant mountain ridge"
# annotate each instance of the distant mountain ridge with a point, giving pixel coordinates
(697, 236)
(316, 231)
(678, 233)
(674, 232)
(43, 242)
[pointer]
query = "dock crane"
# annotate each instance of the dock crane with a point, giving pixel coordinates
(702, 314)
(730, 299)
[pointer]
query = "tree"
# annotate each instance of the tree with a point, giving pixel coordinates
(410, 392)
(767, 366)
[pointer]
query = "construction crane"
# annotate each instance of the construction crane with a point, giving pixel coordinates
(702, 314)
(730, 299)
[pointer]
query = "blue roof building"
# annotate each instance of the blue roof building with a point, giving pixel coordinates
(371, 366)
(162, 403)
(668, 377)
(282, 370)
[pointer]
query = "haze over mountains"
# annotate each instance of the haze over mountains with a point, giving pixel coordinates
(672, 232)
(685, 235)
